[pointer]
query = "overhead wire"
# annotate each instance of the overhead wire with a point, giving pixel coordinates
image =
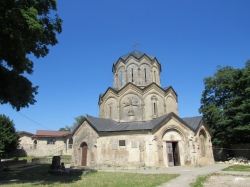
(34, 121)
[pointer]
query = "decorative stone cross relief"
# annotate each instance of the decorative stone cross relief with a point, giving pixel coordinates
(130, 104)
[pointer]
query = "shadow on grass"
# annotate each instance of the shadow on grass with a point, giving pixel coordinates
(38, 175)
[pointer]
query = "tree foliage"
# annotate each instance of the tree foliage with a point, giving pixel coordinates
(225, 104)
(26, 28)
(66, 128)
(9, 139)
(78, 120)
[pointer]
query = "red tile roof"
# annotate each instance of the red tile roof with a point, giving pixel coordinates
(24, 132)
(52, 134)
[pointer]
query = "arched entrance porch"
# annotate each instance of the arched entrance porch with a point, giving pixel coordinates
(173, 147)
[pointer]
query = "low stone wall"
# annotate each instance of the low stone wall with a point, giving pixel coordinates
(236, 150)
(220, 154)
(11, 162)
(49, 160)
(241, 150)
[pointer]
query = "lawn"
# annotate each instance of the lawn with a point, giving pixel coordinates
(40, 177)
(200, 180)
(237, 168)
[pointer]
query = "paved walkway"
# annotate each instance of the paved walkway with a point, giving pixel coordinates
(188, 174)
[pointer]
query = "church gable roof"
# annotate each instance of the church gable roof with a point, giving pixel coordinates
(109, 125)
(193, 122)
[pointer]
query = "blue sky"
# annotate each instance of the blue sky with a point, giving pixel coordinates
(189, 38)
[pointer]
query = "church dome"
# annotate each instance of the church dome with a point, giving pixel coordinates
(137, 67)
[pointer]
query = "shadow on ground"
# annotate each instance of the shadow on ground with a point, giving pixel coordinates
(37, 175)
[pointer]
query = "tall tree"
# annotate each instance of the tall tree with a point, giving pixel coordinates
(26, 28)
(9, 139)
(225, 104)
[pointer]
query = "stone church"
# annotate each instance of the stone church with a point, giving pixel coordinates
(139, 125)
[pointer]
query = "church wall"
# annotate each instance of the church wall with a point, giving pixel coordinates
(132, 150)
(151, 98)
(130, 108)
(156, 75)
(137, 152)
(110, 109)
(171, 104)
(203, 147)
(120, 77)
(132, 72)
(145, 74)
(87, 134)
(152, 72)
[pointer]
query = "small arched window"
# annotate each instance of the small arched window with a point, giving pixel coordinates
(132, 74)
(110, 111)
(145, 74)
(154, 106)
(120, 78)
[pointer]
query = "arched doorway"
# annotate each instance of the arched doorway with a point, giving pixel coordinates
(173, 139)
(84, 147)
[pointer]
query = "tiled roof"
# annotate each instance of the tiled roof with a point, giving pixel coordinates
(193, 122)
(24, 132)
(109, 125)
(47, 133)
(136, 54)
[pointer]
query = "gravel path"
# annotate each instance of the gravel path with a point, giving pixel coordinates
(188, 174)
(229, 179)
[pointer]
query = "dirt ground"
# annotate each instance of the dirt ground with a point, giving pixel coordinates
(228, 179)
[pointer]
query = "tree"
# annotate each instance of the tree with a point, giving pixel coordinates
(9, 139)
(79, 120)
(66, 128)
(26, 28)
(225, 104)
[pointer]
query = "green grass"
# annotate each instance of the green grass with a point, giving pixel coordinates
(200, 180)
(40, 177)
(237, 168)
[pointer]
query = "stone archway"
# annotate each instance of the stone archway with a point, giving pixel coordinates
(84, 148)
(173, 147)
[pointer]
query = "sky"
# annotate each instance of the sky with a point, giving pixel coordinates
(189, 38)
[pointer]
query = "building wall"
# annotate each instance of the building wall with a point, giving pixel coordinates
(134, 105)
(26, 141)
(85, 134)
(141, 149)
(42, 148)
